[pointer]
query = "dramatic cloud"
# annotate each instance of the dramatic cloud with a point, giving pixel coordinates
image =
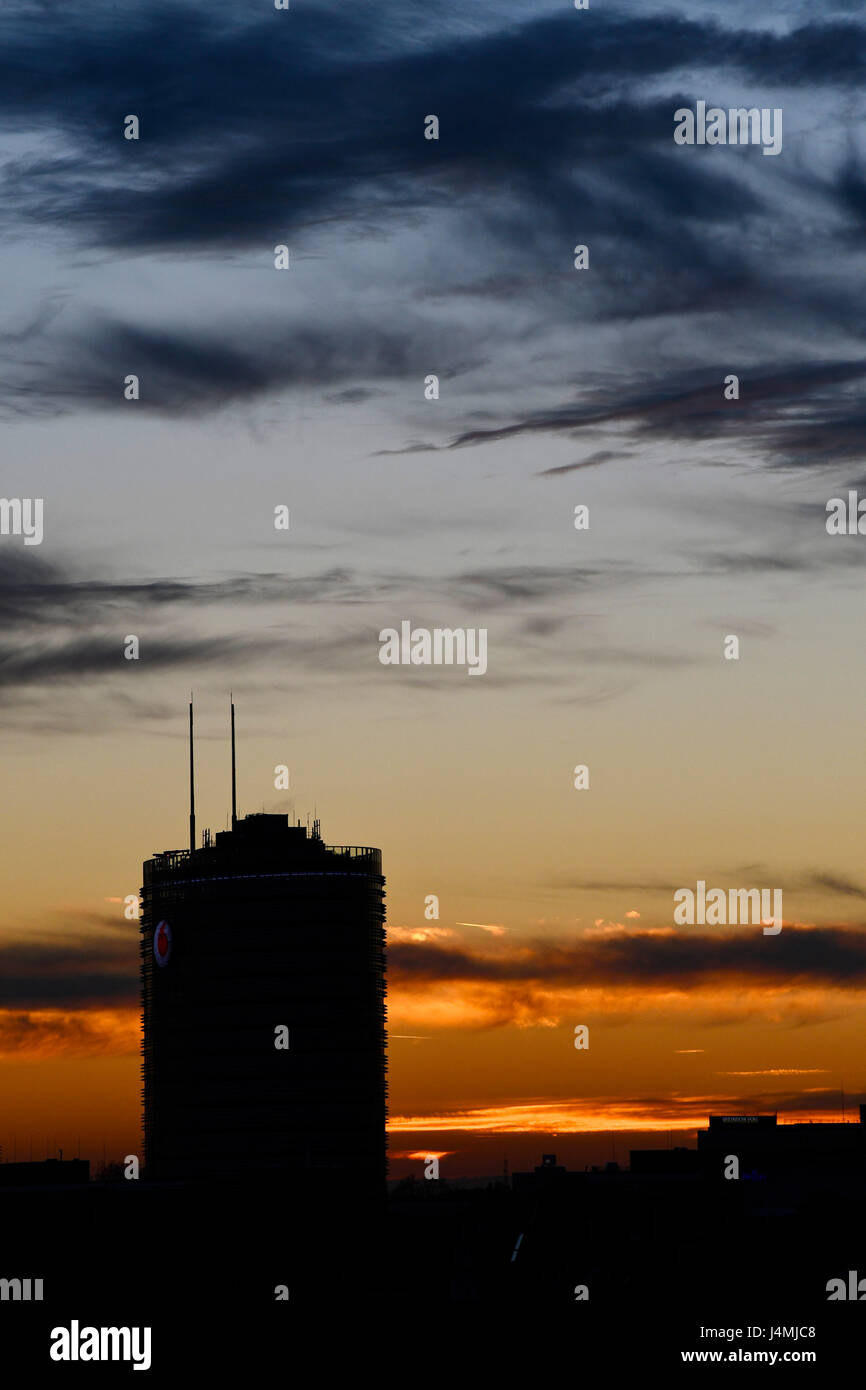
(620, 972)
(90, 962)
(47, 1033)
(342, 89)
(184, 372)
(61, 629)
(823, 430)
(308, 128)
(833, 957)
(615, 1113)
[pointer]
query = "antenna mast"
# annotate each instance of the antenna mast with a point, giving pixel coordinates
(234, 768)
(191, 784)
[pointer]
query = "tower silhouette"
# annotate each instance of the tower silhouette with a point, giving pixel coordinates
(263, 1005)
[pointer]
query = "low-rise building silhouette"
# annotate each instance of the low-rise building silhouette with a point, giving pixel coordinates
(50, 1172)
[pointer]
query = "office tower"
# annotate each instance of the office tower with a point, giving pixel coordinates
(264, 936)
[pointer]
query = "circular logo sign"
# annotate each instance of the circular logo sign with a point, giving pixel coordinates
(162, 943)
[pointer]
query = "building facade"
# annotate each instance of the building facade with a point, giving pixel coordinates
(263, 1008)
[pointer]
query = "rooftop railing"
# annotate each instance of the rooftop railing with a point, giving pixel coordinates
(171, 860)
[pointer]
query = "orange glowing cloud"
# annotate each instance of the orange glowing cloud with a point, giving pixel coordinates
(421, 1154)
(32, 1035)
(804, 974)
(494, 928)
(494, 1005)
(419, 934)
(599, 1114)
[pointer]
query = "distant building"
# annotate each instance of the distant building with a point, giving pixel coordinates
(547, 1176)
(264, 928)
(655, 1161)
(51, 1172)
(767, 1147)
(762, 1145)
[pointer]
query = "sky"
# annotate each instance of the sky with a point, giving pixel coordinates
(558, 388)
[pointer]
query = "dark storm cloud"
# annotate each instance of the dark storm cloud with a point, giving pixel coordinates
(262, 126)
(600, 456)
(818, 957)
(250, 128)
(82, 624)
(78, 660)
(38, 591)
(93, 962)
(677, 406)
(804, 416)
(187, 372)
(33, 590)
(58, 629)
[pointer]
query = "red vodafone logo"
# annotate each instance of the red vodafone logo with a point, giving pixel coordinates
(162, 943)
